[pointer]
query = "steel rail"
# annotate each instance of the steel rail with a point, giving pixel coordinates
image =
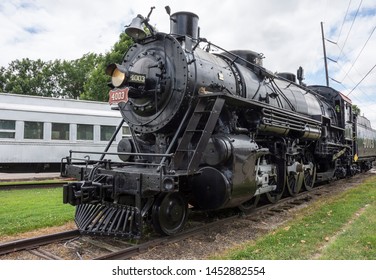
(262, 210)
(35, 242)
(126, 253)
(21, 186)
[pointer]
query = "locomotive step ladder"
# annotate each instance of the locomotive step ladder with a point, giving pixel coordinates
(197, 133)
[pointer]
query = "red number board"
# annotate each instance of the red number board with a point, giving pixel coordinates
(118, 95)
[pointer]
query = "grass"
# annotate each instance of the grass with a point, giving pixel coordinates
(357, 241)
(25, 210)
(340, 227)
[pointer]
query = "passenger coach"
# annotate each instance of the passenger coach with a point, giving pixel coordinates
(37, 132)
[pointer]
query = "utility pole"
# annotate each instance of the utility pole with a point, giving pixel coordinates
(325, 61)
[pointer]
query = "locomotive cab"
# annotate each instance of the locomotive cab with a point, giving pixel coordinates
(339, 135)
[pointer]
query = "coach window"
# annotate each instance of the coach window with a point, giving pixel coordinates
(60, 131)
(7, 129)
(33, 130)
(106, 132)
(85, 132)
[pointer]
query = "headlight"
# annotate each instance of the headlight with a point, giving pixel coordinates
(117, 78)
(118, 74)
(168, 184)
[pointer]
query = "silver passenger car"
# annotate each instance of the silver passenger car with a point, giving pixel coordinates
(37, 132)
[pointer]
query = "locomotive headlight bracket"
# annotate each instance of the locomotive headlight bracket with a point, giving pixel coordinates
(118, 74)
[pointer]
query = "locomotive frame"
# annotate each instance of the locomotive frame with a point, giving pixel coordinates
(209, 131)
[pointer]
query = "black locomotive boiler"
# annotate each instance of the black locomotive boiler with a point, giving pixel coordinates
(209, 131)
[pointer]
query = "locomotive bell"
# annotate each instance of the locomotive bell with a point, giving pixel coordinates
(135, 30)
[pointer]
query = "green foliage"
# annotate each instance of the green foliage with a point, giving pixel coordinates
(77, 72)
(95, 87)
(356, 109)
(84, 77)
(25, 210)
(25, 76)
(2, 78)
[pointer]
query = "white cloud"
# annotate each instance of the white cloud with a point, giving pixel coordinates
(287, 32)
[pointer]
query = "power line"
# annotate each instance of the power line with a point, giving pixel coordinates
(340, 66)
(342, 53)
(354, 96)
(336, 43)
(356, 14)
(343, 22)
(359, 53)
(361, 80)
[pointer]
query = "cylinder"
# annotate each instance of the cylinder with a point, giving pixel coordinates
(184, 24)
(210, 190)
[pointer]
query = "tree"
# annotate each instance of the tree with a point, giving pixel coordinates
(2, 79)
(355, 109)
(24, 76)
(95, 87)
(76, 73)
(81, 78)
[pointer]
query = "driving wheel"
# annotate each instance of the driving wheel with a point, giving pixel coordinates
(294, 183)
(310, 177)
(280, 181)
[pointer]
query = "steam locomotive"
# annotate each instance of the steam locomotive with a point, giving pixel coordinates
(209, 131)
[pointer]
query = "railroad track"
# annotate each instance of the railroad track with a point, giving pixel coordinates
(107, 248)
(33, 244)
(124, 251)
(26, 185)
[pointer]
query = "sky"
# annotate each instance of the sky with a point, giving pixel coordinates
(287, 32)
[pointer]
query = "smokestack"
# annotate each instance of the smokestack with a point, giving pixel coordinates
(184, 24)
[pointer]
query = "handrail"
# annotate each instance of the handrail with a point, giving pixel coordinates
(126, 154)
